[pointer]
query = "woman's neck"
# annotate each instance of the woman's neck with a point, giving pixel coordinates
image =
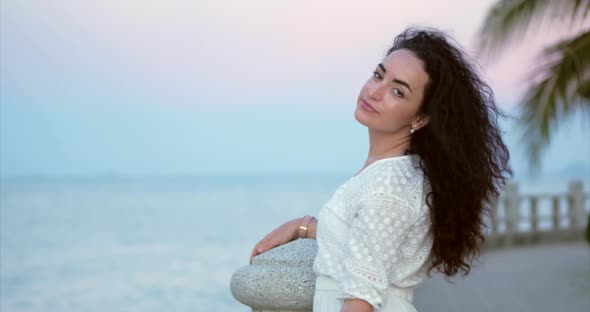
(385, 145)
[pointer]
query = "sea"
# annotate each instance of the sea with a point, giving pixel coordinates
(113, 243)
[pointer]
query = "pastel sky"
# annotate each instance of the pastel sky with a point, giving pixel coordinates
(156, 87)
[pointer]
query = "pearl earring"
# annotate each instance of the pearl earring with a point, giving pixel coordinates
(412, 131)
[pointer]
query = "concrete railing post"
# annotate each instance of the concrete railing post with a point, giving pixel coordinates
(511, 212)
(576, 209)
(279, 280)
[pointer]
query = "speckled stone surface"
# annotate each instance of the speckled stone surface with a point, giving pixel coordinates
(280, 279)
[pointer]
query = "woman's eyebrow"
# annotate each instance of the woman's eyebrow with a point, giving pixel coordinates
(405, 84)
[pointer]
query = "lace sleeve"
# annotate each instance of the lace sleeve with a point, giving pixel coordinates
(375, 236)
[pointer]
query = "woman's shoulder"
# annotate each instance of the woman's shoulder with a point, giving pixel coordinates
(399, 179)
(395, 171)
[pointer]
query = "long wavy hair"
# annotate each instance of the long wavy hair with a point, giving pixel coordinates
(461, 148)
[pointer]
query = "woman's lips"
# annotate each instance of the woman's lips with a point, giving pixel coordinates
(367, 107)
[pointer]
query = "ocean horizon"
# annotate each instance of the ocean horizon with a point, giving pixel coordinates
(125, 243)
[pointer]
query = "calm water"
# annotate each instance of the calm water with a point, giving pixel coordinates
(138, 245)
(114, 244)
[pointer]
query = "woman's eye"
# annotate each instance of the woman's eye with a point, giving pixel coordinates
(398, 92)
(377, 75)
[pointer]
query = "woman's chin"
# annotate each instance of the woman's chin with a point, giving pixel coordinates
(360, 116)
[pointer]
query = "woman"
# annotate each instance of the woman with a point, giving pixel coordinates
(436, 161)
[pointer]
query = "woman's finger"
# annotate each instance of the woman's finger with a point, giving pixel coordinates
(258, 249)
(254, 254)
(270, 241)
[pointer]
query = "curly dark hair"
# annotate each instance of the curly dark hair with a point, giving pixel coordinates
(461, 148)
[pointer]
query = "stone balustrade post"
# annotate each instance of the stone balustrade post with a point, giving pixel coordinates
(576, 209)
(511, 212)
(279, 280)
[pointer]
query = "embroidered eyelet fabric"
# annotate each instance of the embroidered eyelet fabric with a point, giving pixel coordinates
(374, 235)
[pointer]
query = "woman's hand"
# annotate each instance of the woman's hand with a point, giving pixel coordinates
(281, 235)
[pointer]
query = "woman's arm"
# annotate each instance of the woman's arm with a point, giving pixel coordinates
(312, 228)
(356, 305)
(285, 233)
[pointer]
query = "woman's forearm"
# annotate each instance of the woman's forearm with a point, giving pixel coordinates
(312, 228)
(356, 305)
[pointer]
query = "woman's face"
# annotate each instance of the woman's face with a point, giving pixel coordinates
(389, 101)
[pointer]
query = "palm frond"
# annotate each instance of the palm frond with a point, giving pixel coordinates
(559, 89)
(509, 20)
(583, 7)
(584, 90)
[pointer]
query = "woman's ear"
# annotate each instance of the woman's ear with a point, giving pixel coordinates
(420, 121)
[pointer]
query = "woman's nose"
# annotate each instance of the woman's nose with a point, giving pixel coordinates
(376, 91)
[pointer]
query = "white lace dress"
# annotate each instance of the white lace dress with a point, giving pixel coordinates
(374, 238)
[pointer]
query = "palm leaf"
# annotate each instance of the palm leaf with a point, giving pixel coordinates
(584, 90)
(583, 7)
(559, 89)
(510, 20)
